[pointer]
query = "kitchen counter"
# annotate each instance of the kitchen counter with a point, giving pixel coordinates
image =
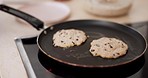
(11, 65)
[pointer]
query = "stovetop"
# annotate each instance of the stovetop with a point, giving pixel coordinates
(38, 65)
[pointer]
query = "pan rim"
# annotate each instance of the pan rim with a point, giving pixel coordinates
(92, 66)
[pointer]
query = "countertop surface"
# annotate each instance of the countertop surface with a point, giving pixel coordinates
(11, 65)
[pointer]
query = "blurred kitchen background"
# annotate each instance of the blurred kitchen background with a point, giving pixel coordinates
(138, 11)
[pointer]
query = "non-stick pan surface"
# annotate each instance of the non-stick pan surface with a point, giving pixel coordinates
(80, 55)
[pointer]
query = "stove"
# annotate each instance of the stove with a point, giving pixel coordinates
(38, 65)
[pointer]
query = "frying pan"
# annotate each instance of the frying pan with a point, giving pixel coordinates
(80, 56)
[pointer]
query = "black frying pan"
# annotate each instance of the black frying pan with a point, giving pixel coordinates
(80, 55)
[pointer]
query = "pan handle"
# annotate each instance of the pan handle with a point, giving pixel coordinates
(36, 23)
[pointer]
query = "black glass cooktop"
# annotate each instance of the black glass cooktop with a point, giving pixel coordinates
(38, 65)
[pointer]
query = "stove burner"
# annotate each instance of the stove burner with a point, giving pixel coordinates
(66, 71)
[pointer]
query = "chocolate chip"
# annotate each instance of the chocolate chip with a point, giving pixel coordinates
(123, 46)
(77, 39)
(118, 53)
(92, 50)
(73, 43)
(110, 46)
(105, 49)
(62, 41)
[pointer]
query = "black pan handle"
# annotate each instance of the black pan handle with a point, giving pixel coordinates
(36, 23)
